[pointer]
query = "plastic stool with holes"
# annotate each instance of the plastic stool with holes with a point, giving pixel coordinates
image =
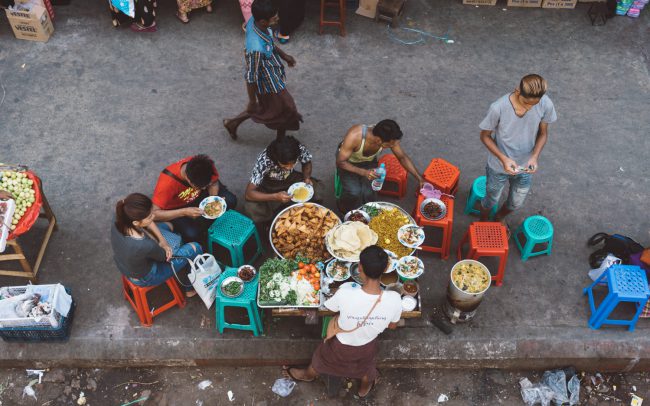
(141, 304)
(443, 175)
(247, 300)
(487, 239)
(537, 230)
(232, 230)
(626, 283)
(396, 174)
(476, 194)
(445, 224)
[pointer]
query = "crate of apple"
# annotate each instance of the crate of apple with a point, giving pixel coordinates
(23, 190)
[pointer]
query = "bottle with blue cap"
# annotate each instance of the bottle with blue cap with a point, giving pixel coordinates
(378, 183)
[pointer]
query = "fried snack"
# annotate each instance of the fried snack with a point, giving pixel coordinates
(470, 278)
(386, 224)
(349, 239)
(301, 231)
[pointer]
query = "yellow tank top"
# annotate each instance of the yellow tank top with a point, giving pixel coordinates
(357, 156)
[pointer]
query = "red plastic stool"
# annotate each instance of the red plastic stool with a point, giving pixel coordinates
(395, 173)
(444, 223)
(487, 240)
(141, 305)
(443, 175)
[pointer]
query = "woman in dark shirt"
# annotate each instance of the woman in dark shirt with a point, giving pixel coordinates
(143, 250)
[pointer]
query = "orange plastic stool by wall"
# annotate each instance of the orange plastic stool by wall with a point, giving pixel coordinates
(395, 173)
(443, 175)
(141, 305)
(487, 239)
(445, 224)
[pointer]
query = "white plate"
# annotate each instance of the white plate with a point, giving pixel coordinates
(402, 262)
(393, 261)
(310, 190)
(330, 267)
(211, 199)
(401, 232)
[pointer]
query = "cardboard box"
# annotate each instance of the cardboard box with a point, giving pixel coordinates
(480, 2)
(367, 8)
(524, 3)
(34, 25)
(559, 3)
(43, 3)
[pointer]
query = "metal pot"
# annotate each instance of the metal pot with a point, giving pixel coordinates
(460, 299)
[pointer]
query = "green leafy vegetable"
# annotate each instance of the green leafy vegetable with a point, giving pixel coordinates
(232, 288)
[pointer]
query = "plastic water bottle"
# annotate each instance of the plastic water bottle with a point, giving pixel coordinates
(378, 183)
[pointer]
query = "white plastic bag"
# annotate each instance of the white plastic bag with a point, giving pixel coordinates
(607, 262)
(204, 275)
(125, 6)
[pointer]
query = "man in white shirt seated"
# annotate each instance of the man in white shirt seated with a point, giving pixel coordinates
(363, 314)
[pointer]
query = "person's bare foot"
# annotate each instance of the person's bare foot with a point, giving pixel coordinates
(231, 131)
(364, 390)
(190, 293)
(296, 374)
(208, 8)
(182, 17)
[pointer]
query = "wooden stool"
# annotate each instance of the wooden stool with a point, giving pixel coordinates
(487, 240)
(395, 173)
(445, 223)
(340, 4)
(443, 175)
(141, 304)
(18, 255)
(390, 10)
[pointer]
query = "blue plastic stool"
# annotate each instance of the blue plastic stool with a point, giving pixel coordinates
(247, 300)
(476, 195)
(536, 230)
(626, 283)
(232, 230)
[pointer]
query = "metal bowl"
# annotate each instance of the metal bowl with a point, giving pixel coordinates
(239, 270)
(440, 204)
(229, 280)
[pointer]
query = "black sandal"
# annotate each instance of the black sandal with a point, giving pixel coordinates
(372, 386)
(287, 372)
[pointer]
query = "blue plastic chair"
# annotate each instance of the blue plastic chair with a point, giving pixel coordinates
(477, 193)
(232, 230)
(626, 283)
(247, 300)
(536, 230)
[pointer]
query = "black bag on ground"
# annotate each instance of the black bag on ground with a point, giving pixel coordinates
(615, 244)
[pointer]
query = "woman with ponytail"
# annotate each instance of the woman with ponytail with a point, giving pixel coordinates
(147, 253)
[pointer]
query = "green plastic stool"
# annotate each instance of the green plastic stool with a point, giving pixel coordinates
(476, 195)
(326, 322)
(246, 300)
(338, 188)
(232, 230)
(537, 230)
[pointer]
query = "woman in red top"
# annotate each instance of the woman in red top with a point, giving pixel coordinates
(181, 187)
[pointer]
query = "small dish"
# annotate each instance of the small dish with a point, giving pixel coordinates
(357, 215)
(410, 288)
(210, 201)
(227, 282)
(338, 270)
(409, 303)
(388, 279)
(410, 267)
(301, 192)
(393, 261)
(410, 235)
(433, 209)
(354, 272)
(246, 273)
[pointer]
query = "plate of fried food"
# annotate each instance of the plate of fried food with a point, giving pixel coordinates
(300, 229)
(346, 241)
(213, 207)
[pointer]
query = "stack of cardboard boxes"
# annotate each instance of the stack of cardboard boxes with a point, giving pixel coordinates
(32, 19)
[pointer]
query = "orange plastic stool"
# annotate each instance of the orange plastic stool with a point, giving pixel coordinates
(487, 240)
(443, 175)
(395, 173)
(141, 305)
(446, 224)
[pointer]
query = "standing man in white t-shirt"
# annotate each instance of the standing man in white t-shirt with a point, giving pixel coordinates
(515, 131)
(363, 313)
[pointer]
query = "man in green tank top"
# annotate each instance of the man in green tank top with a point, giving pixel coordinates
(356, 161)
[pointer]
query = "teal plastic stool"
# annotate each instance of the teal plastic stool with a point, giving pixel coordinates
(536, 230)
(476, 195)
(247, 300)
(232, 230)
(338, 189)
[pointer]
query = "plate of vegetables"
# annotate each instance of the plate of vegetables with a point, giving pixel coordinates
(338, 270)
(410, 267)
(213, 207)
(410, 235)
(232, 286)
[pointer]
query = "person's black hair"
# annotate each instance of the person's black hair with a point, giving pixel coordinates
(284, 151)
(263, 10)
(387, 130)
(199, 170)
(374, 261)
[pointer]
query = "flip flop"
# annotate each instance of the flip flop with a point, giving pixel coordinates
(287, 372)
(135, 27)
(208, 8)
(372, 386)
(233, 134)
(185, 21)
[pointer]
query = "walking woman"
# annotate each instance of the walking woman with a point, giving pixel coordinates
(144, 19)
(146, 253)
(291, 13)
(185, 6)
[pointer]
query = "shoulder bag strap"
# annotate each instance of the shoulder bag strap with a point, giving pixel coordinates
(176, 178)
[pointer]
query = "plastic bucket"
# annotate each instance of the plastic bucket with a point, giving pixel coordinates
(458, 298)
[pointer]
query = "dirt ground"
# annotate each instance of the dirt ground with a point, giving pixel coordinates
(253, 386)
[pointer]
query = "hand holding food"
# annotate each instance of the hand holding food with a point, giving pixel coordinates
(192, 212)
